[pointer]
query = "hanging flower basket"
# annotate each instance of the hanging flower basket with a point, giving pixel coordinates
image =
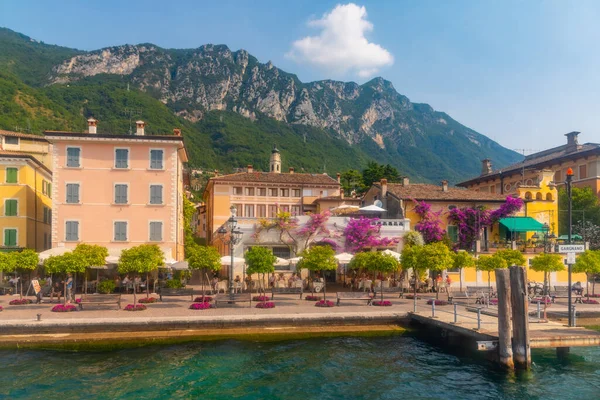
(261, 298)
(204, 305)
(137, 307)
(382, 303)
(311, 298)
(203, 299)
(17, 302)
(412, 296)
(64, 308)
(324, 303)
(589, 301)
(148, 300)
(437, 302)
(267, 304)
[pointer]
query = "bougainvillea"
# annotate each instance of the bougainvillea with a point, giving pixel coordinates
(64, 308)
(382, 303)
(137, 307)
(362, 232)
(471, 220)
(148, 300)
(18, 302)
(311, 298)
(261, 298)
(430, 224)
(203, 299)
(438, 302)
(324, 303)
(201, 306)
(268, 304)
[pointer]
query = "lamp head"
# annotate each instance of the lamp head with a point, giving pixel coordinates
(535, 236)
(233, 210)
(222, 231)
(569, 171)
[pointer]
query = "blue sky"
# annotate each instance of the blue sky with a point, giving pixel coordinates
(521, 72)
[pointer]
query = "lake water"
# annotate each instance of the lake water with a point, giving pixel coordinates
(392, 367)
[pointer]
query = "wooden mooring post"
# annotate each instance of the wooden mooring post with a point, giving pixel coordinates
(520, 318)
(505, 351)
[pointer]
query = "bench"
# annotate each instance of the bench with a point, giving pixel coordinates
(388, 290)
(452, 296)
(170, 292)
(479, 293)
(233, 298)
(562, 292)
(6, 288)
(100, 299)
(287, 290)
(354, 296)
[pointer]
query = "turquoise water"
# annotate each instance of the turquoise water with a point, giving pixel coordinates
(393, 367)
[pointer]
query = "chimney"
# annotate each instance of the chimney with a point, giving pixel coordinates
(92, 125)
(444, 186)
(291, 170)
(140, 128)
(250, 169)
(405, 181)
(572, 142)
(384, 188)
(338, 177)
(177, 132)
(486, 166)
(216, 172)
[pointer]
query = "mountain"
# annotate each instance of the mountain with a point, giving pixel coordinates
(232, 108)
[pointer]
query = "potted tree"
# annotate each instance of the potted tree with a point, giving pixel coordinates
(319, 258)
(546, 263)
(141, 259)
(260, 260)
(205, 258)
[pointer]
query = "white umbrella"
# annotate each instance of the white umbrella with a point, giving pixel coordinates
(295, 260)
(226, 260)
(280, 262)
(396, 255)
(56, 251)
(180, 265)
(345, 208)
(344, 257)
(372, 208)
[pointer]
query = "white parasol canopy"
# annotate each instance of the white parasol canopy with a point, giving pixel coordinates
(344, 257)
(56, 251)
(281, 262)
(344, 208)
(226, 260)
(372, 208)
(396, 255)
(295, 260)
(180, 265)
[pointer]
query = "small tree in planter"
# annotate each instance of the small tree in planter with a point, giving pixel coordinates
(435, 257)
(141, 259)
(93, 255)
(260, 260)
(7, 263)
(24, 261)
(546, 263)
(69, 262)
(588, 262)
(380, 262)
(205, 258)
(461, 260)
(489, 264)
(512, 257)
(319, 258)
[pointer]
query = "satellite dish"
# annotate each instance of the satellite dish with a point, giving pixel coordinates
(378, 203)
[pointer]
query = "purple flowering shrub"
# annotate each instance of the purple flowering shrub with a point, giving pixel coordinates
(430, 224)
(437, 302)
(137, 307)
(382, 303)
(201, 306)
(261, 298)
(147, 300)
(203, 299)
(311, 298)
(364, 232)
(589, 301)
(324, 303)
(64, 308)
(17, 302)
(267, 304)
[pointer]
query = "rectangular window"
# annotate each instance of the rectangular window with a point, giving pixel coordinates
(120, 194)
(262, 191)
(453, 233)
(156, 159)
(45, 215)
(296, 210)
(49, 190)
(44, 187)
(10, 208)
(45, 240)
(156, 194)
(249, 191)
(73, 155)
(307, 192)
(273, 192)
(323, 193)
(261, 211)
(11, 140)
(240, 209)
(73, 193)
(285, 192)
(72, 233)
(238, 191)
(10, 237)
(582, 171)
(493, 189)
(295, 192)
(282, 252)
(272, 211)
(120, 231)
(11, 175)
(121, 158)
(249, 210)
(156, 231)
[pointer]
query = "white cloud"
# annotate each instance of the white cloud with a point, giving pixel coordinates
(341, 46)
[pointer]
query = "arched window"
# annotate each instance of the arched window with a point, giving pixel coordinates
(549, 197)
(539, 196)
(528, 196)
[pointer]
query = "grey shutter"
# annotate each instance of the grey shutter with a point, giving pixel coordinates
(72, 230)
(155, 231)
(121, 231)
(156, 159)
(72, 193)
(155, 194)
(122, 158)
(121, 194)
(72, 157)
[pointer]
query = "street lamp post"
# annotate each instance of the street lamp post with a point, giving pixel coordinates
(235, 236)
(570, 217)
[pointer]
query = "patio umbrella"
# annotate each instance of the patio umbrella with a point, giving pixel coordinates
(180, 266)
(295, 260)
(344, 208)
(281, 262)
(226, 260)
(56, 251)
(344, 258)
(396, 255)
(372, 208)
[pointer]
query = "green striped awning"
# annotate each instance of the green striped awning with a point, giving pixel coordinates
(522, 224)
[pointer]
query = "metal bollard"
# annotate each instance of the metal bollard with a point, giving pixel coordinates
(574, 316)
(539, 310)
(39, 317)
(415, 304)
(455, 313)
(433, 309)
(478, 319)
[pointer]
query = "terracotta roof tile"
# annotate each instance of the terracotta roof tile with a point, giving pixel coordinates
(421, 191)
(269, 177)
(22, 135)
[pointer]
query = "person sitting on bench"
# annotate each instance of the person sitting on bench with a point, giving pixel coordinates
(577, 288)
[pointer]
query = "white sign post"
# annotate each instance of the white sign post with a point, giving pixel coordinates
(571, 248)
(570, 258)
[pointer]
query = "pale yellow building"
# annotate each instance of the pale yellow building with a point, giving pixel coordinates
(24, 143)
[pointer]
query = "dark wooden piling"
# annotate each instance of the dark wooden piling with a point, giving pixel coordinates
(520, 318)
(505, 352)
